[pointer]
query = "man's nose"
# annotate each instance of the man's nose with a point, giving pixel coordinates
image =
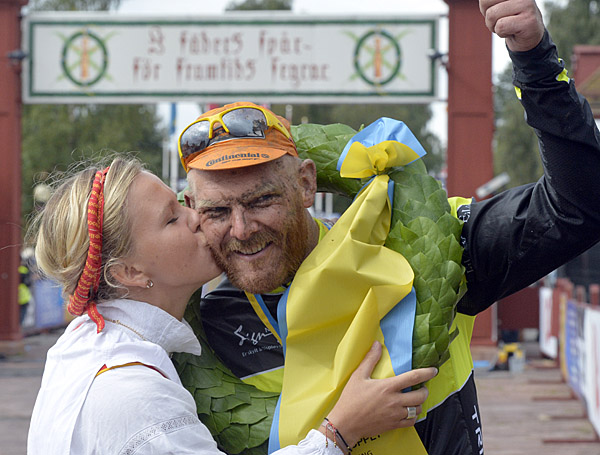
(242, 226)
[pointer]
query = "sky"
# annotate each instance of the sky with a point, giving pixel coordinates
(188, 111)
(300, 6)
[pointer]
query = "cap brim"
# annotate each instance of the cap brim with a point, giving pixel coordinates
(235, 154)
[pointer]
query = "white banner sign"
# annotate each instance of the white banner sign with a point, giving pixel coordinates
(108, 58)
(592, 367)
(548, 342)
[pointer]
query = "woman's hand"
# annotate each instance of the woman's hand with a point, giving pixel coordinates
(368, 407)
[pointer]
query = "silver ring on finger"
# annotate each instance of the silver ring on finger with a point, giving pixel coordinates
(411, 412)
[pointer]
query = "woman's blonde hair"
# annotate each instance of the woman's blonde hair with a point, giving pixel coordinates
(61, 229)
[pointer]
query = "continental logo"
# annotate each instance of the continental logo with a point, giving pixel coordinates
(237, 157)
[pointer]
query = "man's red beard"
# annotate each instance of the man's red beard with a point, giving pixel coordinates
(265, 274)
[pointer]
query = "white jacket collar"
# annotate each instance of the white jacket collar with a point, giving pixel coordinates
(150, 323)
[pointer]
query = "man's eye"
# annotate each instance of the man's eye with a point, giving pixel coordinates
(263, 200)
(214, 213)
(173, 220)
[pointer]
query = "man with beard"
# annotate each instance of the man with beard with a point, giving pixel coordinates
(254, 204)
(252, 193)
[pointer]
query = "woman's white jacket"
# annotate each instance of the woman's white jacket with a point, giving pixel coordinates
(140, 409)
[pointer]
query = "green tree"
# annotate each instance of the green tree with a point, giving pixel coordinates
(516, 150)
(55, 136)
(572, 23)
(516, 146)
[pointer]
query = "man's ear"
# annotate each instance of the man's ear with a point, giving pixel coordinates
(128, 275)
(188, 193)
(307, 179)
(189, 201)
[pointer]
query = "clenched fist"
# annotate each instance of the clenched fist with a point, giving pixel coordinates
(518, 21)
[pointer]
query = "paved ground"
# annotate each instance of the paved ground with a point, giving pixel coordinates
(20, 378)
(522, 413)
(532, 412)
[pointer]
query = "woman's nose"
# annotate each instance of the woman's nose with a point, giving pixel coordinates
(193, 219)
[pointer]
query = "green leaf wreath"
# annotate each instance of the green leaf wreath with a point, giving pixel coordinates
(423, 230)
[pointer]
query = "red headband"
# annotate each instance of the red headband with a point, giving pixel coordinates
(87, 287)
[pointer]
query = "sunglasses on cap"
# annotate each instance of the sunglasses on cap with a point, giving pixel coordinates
(240, 122)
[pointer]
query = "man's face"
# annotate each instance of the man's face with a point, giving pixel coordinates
(255, 221)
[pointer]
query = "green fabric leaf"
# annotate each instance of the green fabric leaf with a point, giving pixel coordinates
(436, 314)
(203, 401)
(439, 334)
(216, 422)
(425, 230)
(248, 414)
(438, 201)
(412, 186)
(450, 248)
(452, 271)
(425, 306)
(259, 432)
(429, 249)
(201, 377)
(228, 402)
(271, 405)
(236, 437)
(448, 315)
(262, 449)
(220, 391)
(209, 422)
(222, 420)
(447, 299)
(404, 233)
(431, 356)
(421, 329)
(424, 356)
(414, 207)
(450, 224)
(323, 144)
(422, 265)
(421, 288)
(256, 393)
(400, 246)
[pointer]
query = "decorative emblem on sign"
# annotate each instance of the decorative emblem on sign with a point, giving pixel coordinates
(378, 57)
(84, 58)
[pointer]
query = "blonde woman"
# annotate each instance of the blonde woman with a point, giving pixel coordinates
(130, 257)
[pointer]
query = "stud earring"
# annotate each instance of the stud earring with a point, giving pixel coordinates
(149, 284)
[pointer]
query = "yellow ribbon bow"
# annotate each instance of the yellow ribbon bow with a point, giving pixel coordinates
(362, 161)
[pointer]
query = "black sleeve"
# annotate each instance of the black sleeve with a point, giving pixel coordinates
(522, 234)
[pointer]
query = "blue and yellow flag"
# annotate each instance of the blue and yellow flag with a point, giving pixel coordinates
(350, 291)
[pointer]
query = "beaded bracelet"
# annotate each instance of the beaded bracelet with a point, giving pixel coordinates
(336, 434)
